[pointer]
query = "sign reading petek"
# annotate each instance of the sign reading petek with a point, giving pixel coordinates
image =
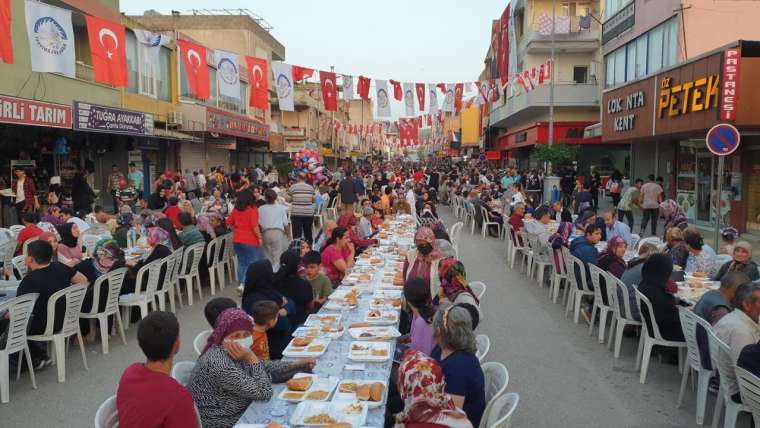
(30, 112)
(687, 97)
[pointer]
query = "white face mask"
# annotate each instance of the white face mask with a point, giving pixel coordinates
(245, 342)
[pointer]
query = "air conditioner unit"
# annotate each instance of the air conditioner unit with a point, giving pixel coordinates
(174, 118)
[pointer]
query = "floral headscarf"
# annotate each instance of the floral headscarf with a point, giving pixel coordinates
(561, 238)
(673, 213)
(454, 279)
(612, 245)
(106, 254)
(203, 224)
(229, 321)
(426, 234)
(421, 386)
(157, 235)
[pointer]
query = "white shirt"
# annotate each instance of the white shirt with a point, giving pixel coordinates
(737, 330)
(410, 198)
(517, 198)
(81, 224)
(20, 191)
(273, 216)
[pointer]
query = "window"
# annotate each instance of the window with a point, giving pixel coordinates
(670, 52)
(656, 39)
(620, 65)
(630, 68)
(648, 54)
(580, 74)
(613, 7)
(131, 42)
(163, 79)
(609, 72)
(568, 9)
(212, 87)
(145, 76)
(641, 56)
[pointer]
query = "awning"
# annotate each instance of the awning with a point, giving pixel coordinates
(174, 135)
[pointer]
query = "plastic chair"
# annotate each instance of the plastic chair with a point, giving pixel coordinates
(212, 259)
(501, 411)
(454, 234)
(597, 276)
(622, 314)
(749, 387)
(107, 415)
(483, 344)
(7, 235)
(332, 211)
(167, 265)
(541, 258)
(200, 340)
(74, 296)
(496, 380)
(650, 336)
(189, 273)
(25, 246)
(16, 229)
(19, 312)
(7, 248)
(578, 289)
(479, 288)
(559, 275)
(487, 223)
(720, 354)
(115, 280)
(19, 265)
(141, 298)
(689, 321)
(469, 215)
(635, 238)
(182, 370)
(88, 242)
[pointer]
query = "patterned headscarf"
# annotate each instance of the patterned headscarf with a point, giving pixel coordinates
(204, 225)
(106, 254)
(125, 218)
(454, 279)
(672, 212)
(421, 386)
(426, 234)
(157, 235)
(229, 321)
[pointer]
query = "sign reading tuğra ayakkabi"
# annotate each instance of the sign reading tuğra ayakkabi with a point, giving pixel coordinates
(97, 118)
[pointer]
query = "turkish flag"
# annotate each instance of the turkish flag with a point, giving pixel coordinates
(396, 89)
(107, 46)
(420, 88)
(363, 87)
(458, 90)
(408, 129)
(258, 75)
(300, 73)
(442, 87)
(503, 52)
(329, 90)
(6, 43)
(429, 120)
(196, 69)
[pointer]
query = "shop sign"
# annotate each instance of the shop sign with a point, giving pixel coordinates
(230, 144)
(222, 122)
(729, 87)
(23, 111)
(93, 117)
(624, 109)
(687, 97)
(293, 146)
(619, 22)
(493, 155)
(326, 151)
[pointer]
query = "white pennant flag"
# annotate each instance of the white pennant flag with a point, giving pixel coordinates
(149, 45)
(51, 39)
(383, 102)
(283, 83)
(432, 99)
(227, 73)
(409, 98)
(348, 87)
(448, 100)
(482, 93)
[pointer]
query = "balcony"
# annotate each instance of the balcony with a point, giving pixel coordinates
(576, 41)
(523, 106)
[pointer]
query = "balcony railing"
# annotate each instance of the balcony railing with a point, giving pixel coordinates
(576, 40)
(522, 105)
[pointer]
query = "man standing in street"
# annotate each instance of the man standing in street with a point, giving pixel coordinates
(302, 198)
(359, 185)
(630, 198)
(135, 178)
(115, 180)
(651, 197)
(201, 180)
(347, 191)
(190, 184)
(26, 194)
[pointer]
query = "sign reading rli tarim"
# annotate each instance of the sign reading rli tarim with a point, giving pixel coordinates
(93, 117)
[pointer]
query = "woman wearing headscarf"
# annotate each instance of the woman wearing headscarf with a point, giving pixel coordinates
(728, 235)
(69, 251)
(172, 242)
(655, 276)
(203, 223)
(228, 376)
(675, 246)
(259, 285)
(454, 286)
(673, 214)
(295, 288)
(742, 262)
(160, 244)
(106, 257)
(124, 224)
(52, 216)
(611, 260)
(422, 261)
(421, 385)
(349, 221)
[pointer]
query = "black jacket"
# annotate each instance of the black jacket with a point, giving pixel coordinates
(665, 309)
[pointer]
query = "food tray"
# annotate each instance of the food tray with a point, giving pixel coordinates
(316, 331)
(319, 319)
(362, 351)
(318, 384)
(335, 409)
(291, 351)
(352, 396)
(386, 317)
(391, 333)
(384, 303)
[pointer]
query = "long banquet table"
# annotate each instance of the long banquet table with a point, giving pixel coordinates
(333, 362)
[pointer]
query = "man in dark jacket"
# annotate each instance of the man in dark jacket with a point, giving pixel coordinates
(347, 191)
(584, 248)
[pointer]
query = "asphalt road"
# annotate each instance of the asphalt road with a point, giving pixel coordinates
(564, 377)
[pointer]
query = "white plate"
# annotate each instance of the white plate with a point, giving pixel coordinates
(352, 396)
(387, 317)
(258, 425)
(335, 409)
(289, 352)
(388, 294)
(365, 351)
(337, 305)
(316, 331)
(318, 384)
(383, 303)
(318, 319)
(391, 333)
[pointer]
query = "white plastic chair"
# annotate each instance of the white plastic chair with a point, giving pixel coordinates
(332, 211)
(107, 415)
(635, 238)
(483, 344)
(182, 370)
(479, 288)
(167, 287)
(689, 321)
(200, 340)
(578, 289)
(16, 229)
(622, 314)
(19, 311)
(517, 247)
(141, 298)
(487, 223)
(469, 215)
(74, 296)
(212, 260)
(501, 411)
(720, 355)
(749, 387)
(599, 280)
(190, 274)
(454, 234)
(19, 264)
(7, 235)
(559, 274)
(7, 248)
(25, 246)
(496, 380)
(650, 336)
(88, 242)
(541, 258)
(115, 280)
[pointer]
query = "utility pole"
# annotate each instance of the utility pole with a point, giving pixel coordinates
(683, 29)
(332, 117)
(551, 78)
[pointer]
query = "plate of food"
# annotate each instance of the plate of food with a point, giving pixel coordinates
(700, 276)
(335, 414)
(319, 319)
(376, 316)
(374, 333)
(369, 351)
(306, 347)
(371, 392)
(345, 296)
(385, 303)
(308, 387)
(325, 330)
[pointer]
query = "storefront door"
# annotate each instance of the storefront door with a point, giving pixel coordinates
(705, 184)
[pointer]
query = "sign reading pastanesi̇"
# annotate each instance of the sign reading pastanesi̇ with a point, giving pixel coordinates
(93, 117)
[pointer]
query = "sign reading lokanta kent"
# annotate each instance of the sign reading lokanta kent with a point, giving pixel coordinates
(30, 112)
(93, 117)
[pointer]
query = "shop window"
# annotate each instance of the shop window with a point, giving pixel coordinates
(580, 74)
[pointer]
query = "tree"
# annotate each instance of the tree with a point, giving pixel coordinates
(557, 154)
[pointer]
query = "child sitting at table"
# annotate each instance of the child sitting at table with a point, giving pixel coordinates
(265, 313)
(320, 284)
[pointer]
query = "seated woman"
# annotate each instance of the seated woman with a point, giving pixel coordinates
(422, 261)
(655, 275)
(417, 295)
(673, 214)
(158, 239)
(699, 260)
(742, 262)
(167, 225)
(295, 288)
(349, 221)
(454, 286)
(421, 383)
(227, 376)
(259, 286)
(675, 247)
(338, 255)
(611, 260)
(632, 277)
(69, 250)
(455, 352)
(106, 257)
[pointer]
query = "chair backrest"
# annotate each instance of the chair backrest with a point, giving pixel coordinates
(479, 288)
(115, 280)
(167, 265)
(597, 281)
(19, 311)
(16, 229)
(74, 296)
(228, 252)
(7, 248)
(7, 234)
(497, 378)
(483, 344)
(212, 252)
(455, 232)
(610, 288)
(200, 340)
(502, 410)
(635, 238)
(689, 327)
(647, 316)
(749, 388)
(720, 354)
(148, 275)
(191, 260)
(88, 242)
(177, 254)
(131, 237)
(182, 370)
(578, 272)
(25, 246)
(107, 415)
(19, 264)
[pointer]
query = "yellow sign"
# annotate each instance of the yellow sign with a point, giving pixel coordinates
(688, 97)
(354, 154)
(326, 151)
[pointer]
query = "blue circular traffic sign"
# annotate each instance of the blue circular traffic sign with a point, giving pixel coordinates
(723, 139)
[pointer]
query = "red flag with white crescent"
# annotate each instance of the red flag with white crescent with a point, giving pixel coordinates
(6, 42)
(196, 69)
(420, 88)
(107, 46)
(363, 87)
(397, 93)
(258, 74)
(329, 90)
(503, 49)
(442, 87)
(458, 93)
(300, 73)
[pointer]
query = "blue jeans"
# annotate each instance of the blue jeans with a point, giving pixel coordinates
(246, 254)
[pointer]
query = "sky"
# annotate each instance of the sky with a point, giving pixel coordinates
(426, 41)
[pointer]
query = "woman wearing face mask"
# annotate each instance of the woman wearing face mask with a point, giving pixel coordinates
(69, 251)
(742, 262)
(227, 376)
(422, 261)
